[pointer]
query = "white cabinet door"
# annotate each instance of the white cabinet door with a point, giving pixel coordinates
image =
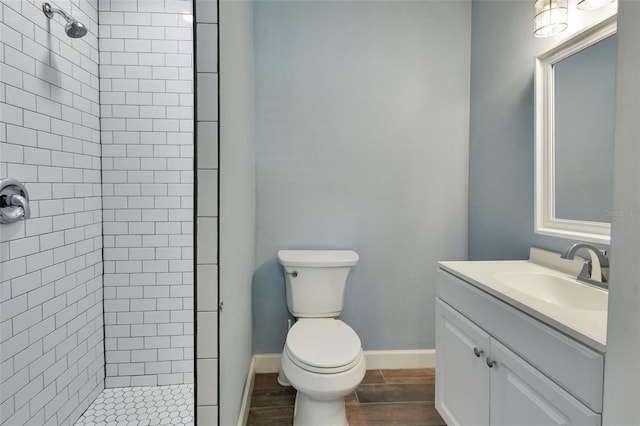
(521, 395)
(462, 377)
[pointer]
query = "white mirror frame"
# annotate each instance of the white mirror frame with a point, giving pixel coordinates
(546, 223)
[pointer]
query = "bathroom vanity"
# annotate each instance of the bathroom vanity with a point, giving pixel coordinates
(518, 343)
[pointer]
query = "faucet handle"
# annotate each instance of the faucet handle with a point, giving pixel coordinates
(604, 260)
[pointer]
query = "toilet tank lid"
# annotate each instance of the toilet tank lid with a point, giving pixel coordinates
(317, 258)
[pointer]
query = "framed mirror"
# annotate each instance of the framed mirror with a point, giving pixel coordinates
(574, 124)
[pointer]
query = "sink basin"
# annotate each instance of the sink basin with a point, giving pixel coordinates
(555, 290)
(543, 287)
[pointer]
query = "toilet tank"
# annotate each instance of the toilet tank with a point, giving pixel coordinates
(315, 280)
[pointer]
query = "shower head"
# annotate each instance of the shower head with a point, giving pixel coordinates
(74, 28)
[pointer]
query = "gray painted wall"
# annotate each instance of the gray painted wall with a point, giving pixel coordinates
(362, 142)
(237, 202)
(501, 141)
(622, 375)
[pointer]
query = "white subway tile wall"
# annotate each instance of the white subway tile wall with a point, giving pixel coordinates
(51, 321)
(207, 273)
(146, 89)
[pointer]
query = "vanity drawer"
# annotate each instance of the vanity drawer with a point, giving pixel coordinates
(576, 368)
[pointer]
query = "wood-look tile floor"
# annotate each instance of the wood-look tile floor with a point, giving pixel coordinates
(385, 397)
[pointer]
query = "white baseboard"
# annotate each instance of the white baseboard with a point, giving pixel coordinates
(267, 363)
(243, 416)
(418, 358)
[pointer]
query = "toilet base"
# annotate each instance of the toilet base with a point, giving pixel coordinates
(282, 379)
(314, 412)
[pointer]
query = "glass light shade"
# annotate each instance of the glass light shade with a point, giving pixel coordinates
(550, 17)
(593, 4)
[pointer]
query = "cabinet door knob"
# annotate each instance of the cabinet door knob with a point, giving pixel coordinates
(477, 352)
(490, 362)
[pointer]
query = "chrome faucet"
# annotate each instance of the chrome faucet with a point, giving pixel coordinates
(593, 270)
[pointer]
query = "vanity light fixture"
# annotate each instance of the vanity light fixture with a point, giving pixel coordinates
(593, 4)
(550, 17)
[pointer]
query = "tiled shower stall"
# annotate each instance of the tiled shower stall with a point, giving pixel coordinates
(97, 287)
(146, 94)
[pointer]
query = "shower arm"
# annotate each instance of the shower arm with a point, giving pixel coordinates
(49, 11)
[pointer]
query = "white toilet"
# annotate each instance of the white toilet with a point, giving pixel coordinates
(322, 357)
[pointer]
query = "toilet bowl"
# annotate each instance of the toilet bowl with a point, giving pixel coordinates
(323, 361)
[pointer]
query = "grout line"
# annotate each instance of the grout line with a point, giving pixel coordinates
(384, 379)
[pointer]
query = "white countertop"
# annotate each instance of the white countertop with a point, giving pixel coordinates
(586, 326)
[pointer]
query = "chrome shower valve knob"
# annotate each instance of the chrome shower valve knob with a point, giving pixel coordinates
(14, 201)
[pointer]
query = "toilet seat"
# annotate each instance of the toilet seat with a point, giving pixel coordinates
(323, 345)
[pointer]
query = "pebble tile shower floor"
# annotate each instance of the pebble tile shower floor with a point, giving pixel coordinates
(141, 406)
